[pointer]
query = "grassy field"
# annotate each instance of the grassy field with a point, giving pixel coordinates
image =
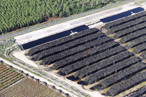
(8, 76)
(29, 88)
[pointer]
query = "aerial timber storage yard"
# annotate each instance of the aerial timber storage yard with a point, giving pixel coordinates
(106, 61)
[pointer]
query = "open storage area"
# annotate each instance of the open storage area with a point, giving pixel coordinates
(94, 60)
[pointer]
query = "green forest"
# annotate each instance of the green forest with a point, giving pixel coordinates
(15, 14)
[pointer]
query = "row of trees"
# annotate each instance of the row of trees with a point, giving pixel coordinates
(15, 14)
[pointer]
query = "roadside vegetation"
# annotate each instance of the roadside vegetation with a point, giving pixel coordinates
(6, 44)
(16, 14)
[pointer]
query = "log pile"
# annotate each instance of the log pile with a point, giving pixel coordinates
(96, 59)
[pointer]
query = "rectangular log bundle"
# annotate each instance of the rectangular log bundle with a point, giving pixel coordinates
(113, 79)
(136, 42)
(140, 48)
(68, 45)
(125, 20)
(133, 36)
(138, 93)
(70, 52)
(44, 46)
(102, 64)
(124, 26)
(111, 70)
(89, 52)
(88, 61)
(126, 84)
(129, 30)
(143, 55)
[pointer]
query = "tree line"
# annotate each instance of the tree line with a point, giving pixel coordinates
(15, 14)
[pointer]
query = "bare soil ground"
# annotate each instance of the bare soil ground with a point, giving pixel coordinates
(21, 56)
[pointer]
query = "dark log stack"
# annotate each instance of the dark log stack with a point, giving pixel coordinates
(48, 45)
(126, 84)
(102, 64)
(92, 58)
(125, 20)
(138, 93)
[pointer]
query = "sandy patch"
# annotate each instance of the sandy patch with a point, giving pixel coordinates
(20, 55)
(144, 6)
